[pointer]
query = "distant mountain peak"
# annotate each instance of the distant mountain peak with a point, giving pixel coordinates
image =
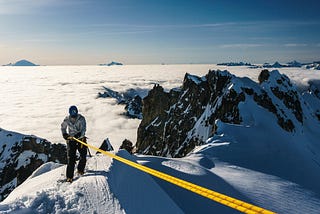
(111, 64)
(22, 62)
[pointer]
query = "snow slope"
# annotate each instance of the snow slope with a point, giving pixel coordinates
(267, 191)
(111, 187)
(106, 187)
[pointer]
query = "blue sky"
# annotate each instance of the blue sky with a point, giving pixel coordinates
(62, 32)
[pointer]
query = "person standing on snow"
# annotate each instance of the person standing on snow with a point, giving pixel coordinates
(76, 124)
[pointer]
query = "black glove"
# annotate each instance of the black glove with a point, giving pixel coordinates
(78, 135)
(65, 136)
(83, 139)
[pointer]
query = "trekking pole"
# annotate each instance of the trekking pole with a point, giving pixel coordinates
(89, 152)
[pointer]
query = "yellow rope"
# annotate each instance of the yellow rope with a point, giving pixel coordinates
(218, 197)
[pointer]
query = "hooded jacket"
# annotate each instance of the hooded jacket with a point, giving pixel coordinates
(75, 126)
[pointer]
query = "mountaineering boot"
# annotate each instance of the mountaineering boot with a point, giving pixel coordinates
(69, 180)
(80, 172)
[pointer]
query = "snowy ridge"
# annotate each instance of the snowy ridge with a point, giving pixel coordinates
(106, 187)
(112, 187)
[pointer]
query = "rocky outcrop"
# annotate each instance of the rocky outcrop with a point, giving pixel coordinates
(130, 98)
(105, 146)
(134, 107)
(175, 122)
(20, 155)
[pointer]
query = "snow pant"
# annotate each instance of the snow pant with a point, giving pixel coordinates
(72, 147)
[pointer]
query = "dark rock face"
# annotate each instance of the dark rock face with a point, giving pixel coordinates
(263, 76)
(20, 155)
(168, 126)
(106, 146)
(134, 107)
(175, 122)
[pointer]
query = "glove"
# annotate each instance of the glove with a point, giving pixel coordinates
(83, 139)
(65, 136)
(78, 135)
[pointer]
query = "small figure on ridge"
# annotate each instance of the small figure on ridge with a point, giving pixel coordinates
(76, 125)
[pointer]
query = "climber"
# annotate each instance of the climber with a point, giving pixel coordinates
(76, 124)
